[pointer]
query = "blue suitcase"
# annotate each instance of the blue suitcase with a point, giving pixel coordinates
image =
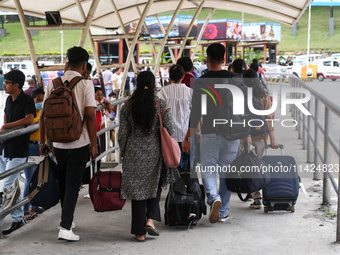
(283, 190)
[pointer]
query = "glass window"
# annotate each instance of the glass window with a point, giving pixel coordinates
(327, 63)
(9, 66)
(23, 66)
(17, 66)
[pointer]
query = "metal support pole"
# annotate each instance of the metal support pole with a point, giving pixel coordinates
(327, 157)
(308, 40)
(124, 32)
(338, 215)
(298, 118)
(317, 137)
(88, 22)
(148, 31)
(304, 130)
(201, 33)
(30, 44)
(62, 46)
(173, 59)
(158, 58)
(132, 46)
(117, 152)
(189, 28)
(93, 46)
(309, 134)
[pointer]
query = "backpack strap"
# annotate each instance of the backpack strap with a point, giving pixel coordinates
(74, 82)
(57, 82)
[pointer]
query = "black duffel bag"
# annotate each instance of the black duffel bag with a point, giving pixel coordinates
(44, 184)
(248, 173)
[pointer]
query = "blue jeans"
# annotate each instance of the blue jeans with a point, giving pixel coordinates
(107, 92)
(217, 151)
(6, 164)
(33, 151)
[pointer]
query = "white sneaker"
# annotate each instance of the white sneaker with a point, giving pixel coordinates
(68, 235)
(87, 196)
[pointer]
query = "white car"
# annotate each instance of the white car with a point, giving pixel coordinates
(296, 69)
(25, 67)
(328, 69)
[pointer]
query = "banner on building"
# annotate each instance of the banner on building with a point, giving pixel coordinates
(262, 31)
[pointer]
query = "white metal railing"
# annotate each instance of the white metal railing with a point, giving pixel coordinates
(10, 133)
(311, 129)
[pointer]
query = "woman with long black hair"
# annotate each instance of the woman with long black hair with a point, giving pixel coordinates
(140, 143)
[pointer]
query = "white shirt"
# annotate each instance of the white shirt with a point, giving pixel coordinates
(178, 98)
(84, 93)
(118, 79)
(200, 68)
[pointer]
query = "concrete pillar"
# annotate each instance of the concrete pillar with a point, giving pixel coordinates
(294, 29)
(331, 26)
(331, 22)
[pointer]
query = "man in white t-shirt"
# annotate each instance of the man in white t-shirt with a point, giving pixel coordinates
(116, 81)
(73, 156)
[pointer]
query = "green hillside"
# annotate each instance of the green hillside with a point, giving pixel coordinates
(50, 41)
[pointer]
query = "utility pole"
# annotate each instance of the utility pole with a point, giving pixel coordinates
(331, 22)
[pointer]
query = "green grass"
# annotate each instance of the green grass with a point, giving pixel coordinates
(45, 41)
(50, 41)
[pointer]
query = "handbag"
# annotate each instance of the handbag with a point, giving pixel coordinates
(104, 190)
(170, 149)
(247, 174)
(44, 184)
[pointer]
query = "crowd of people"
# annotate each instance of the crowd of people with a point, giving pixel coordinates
(138, 136)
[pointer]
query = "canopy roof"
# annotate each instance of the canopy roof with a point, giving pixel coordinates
(285, 11)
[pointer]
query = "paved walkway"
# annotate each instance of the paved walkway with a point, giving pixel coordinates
(248, 231)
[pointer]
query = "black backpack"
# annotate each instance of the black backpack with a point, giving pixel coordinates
(236, 131)
(185, 202)
(44, 184)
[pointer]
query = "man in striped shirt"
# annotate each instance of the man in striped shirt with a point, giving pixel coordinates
(178, 97)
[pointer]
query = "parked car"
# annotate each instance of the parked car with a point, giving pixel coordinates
(335, 55)
(328, 69)
(296, 69)
(274, 71)
(25, 67)
(311, 57)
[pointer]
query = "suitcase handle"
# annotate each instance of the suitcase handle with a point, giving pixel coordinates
(281, 146)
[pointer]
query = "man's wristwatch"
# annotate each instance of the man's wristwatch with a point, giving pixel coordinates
(189, 139)
(41, 144)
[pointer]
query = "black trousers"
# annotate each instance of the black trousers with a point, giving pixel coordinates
(143, 210)
(71, 166)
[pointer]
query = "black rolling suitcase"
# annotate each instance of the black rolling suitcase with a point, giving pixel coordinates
(283, 190)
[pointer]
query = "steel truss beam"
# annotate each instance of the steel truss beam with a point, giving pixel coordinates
(132, 46)
(88, 21)
(201, 33)
(93, 46)
(189, 28)
(29, 42)
(166, 35)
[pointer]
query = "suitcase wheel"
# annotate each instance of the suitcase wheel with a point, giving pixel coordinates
(292, 209)
(266, 209)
